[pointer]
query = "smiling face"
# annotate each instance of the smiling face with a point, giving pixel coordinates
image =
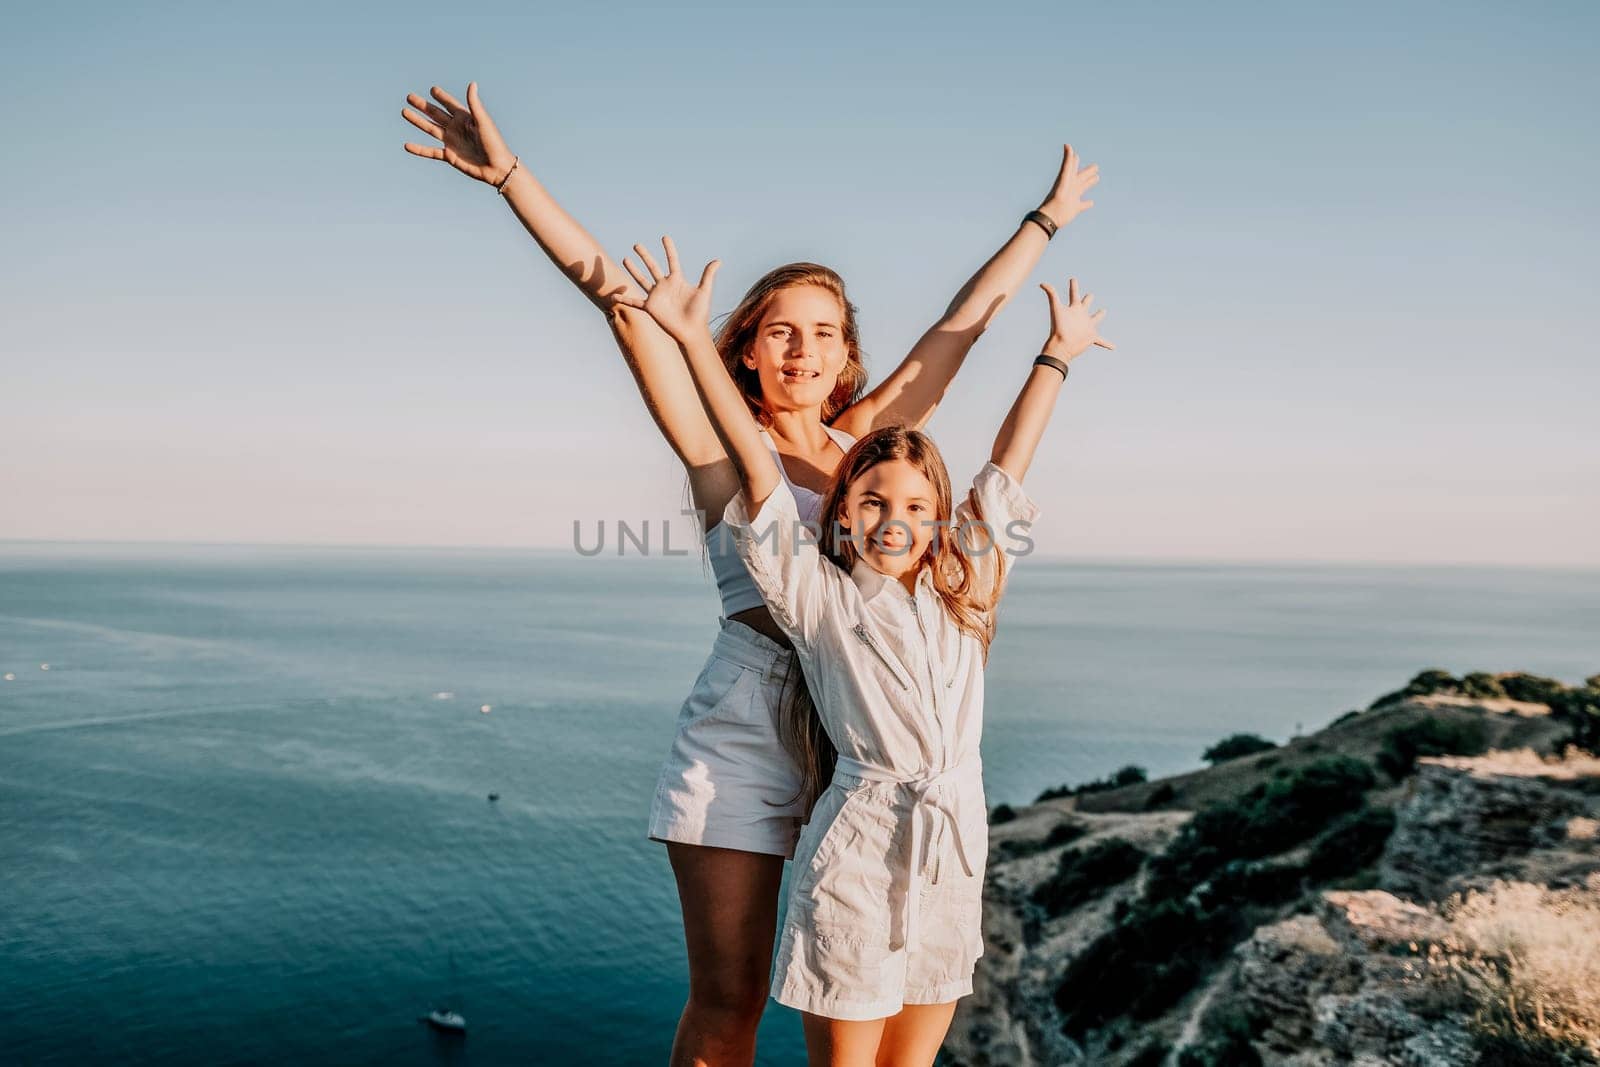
(891, 509)
(799, 348)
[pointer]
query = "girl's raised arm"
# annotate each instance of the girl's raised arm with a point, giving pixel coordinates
(683, 311)
(469, 141)
(913, 390)
(1072, 331)
(764, 518)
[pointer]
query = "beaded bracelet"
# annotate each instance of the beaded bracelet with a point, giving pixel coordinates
(500, 187)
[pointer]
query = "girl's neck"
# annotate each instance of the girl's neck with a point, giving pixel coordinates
(801, 430)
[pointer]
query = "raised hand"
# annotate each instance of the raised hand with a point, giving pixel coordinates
(1065, 201)
(468, 139)
(679, 308)
(1072, 328)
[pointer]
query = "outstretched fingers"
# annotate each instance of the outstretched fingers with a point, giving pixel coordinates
(1101, 341)
(672, 255)
(644, 283)
(450, 102)
(708, 276)
(480, 114)
(425, 151)
(649, 261)
(421, 122)
(428, 108)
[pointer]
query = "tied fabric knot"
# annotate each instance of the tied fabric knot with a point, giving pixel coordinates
(930, 803)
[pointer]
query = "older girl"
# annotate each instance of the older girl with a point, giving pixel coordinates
(891, 620)
(730, 797)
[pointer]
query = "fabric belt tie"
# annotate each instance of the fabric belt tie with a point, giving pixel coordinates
(929, 804)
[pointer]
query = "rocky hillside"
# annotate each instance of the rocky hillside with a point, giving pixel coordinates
(1418, 883)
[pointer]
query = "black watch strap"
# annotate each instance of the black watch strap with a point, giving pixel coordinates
(1051, 361)
(1046, 223)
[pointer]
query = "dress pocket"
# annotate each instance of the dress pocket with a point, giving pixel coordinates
(850, 881)
(849, 958)
(834, 836)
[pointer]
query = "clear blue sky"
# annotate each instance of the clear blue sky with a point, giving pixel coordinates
(1348, 253)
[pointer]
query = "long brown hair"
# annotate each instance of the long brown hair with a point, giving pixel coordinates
(737, 333)
(968, 595)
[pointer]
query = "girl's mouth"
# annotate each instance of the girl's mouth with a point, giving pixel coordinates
(799, 374)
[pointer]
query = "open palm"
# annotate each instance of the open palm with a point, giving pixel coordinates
(1073, 329)
(1065, 201)
(468, 138)
(678, 307)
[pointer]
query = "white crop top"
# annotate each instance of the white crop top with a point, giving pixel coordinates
(734, 584)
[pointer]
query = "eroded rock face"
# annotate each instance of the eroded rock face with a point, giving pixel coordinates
(1470, 819)
(1011, 1020)
(1335, 980)
(1334, 986)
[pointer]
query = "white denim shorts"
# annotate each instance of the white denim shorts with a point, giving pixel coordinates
(727, 780)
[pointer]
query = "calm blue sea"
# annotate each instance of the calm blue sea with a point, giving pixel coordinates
(243, 814)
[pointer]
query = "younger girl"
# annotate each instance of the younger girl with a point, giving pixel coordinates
(891, 620)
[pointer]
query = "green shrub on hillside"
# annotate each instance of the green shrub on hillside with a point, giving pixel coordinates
(1061, 833)
(1271, 817)
(1129, 775)
(1159, 796)
(1424, 684)
(1482, 684)
(1235, 746)
(1520, 685)
(1206, 892)
(1581, 708)
(1430, 737)
(1081, 875)
(1354, 841)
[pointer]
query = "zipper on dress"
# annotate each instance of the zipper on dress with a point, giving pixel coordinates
(912, 603)
(866, 639)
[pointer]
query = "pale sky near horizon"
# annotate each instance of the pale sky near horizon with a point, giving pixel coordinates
(1347, 254)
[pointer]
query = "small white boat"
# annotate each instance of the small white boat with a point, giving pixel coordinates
(451, 1022)
(447, 1019)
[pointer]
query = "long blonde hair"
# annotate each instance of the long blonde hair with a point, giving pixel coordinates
(968, 595)
(799, 725)
(737, 333)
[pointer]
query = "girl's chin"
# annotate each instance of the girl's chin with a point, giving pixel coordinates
(887, 563)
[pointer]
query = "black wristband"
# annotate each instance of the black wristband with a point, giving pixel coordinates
(1045, 223)
(1052, 361)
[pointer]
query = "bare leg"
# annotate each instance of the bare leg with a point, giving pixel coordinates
(730, 914)
(837, 1043)
(912, 1038)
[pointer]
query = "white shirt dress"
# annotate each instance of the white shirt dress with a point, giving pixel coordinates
(885, 899)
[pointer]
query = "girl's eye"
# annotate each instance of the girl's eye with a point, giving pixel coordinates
(826, 335)
(871, 504)
(918, 507)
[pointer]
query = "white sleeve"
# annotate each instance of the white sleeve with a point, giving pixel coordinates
(782, 557)
(1001, 525)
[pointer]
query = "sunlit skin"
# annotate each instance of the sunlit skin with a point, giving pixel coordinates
(730, 897)
(799, 349)
(891, 511)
